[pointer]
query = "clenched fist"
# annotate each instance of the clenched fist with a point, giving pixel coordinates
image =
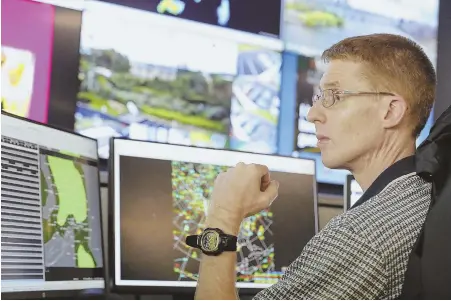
(243, 190)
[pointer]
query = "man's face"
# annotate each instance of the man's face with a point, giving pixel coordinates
(350, 129)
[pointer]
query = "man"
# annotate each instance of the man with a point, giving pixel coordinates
(375, 98)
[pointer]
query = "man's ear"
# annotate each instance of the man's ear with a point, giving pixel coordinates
(394, 110)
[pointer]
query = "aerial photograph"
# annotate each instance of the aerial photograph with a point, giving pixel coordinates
(311, 26)
(148, 91)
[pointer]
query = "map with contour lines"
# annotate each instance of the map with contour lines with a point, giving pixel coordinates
(71, 228)
(192, 185)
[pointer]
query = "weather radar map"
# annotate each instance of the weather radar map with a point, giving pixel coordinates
(70, 231)
(177, 7)
(192, 185)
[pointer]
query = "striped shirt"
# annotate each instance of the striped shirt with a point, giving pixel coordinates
(363, 253)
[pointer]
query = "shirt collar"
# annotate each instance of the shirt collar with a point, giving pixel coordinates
(398, 169)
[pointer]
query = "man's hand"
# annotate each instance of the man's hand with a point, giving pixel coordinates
(242, 191)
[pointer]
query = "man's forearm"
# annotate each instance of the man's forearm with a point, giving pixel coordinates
(217, 275)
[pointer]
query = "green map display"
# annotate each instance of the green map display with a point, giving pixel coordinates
(71, 232)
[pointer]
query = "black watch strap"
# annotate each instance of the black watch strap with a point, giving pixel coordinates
(191, 240)
(229, 242)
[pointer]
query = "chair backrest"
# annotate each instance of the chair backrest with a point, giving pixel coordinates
(428, 274)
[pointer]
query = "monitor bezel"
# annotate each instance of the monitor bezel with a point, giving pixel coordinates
(171, 290)
(56, 294)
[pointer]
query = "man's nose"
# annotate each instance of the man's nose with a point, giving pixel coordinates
(315, 114)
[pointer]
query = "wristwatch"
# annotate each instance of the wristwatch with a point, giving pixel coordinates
(212, 241)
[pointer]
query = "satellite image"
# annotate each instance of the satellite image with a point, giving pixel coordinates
(71, 232)
(192, 185)
(149, 92)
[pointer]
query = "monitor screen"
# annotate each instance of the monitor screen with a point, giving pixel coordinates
(50, 211)
(161, 194)
(229, 14)
(181, 87)
(40, 76)
(311, 26)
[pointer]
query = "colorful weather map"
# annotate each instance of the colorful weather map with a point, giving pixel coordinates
(71, 233)
(192, 185)
(256, 250)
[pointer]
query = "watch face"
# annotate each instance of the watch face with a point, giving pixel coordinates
(210, 241)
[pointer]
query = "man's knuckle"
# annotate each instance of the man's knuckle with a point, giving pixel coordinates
(254, 167)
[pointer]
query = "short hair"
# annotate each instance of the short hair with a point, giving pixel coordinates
(394, 63)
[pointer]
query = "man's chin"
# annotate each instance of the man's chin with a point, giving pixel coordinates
(332, 163)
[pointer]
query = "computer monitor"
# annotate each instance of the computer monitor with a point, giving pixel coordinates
(50, 212)
(352, 192)
(160, 194)
(216, 90)
(221, 16)
(309, 27)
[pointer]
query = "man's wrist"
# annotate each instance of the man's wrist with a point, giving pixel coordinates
(228, 223)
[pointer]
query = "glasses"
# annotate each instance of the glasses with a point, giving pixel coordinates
(329, 97)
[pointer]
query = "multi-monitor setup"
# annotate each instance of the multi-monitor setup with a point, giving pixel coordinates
(210, 77)
(52, 244)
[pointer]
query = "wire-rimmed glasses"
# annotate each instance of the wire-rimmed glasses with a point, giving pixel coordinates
(329, 97)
